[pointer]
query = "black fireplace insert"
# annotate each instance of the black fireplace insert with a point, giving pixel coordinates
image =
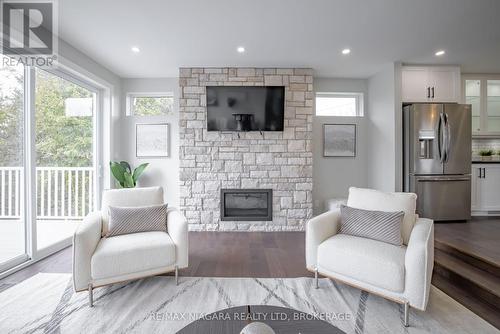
(246, 204)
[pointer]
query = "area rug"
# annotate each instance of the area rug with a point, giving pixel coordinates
(46, 303)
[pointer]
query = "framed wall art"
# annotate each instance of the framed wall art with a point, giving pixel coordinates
(152, 140)
(339, 140)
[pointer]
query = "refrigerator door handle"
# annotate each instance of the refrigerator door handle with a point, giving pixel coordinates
(441, 138)
(448, 138)
(441, 179)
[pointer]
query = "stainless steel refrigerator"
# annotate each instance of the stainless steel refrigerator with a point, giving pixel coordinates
(437, 159)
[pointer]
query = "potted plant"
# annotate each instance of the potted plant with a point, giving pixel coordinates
(486, 154)
(123, 174)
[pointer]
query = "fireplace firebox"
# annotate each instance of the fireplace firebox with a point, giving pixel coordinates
(246, 204)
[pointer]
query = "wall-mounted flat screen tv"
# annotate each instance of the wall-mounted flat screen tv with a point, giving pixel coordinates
(239, 108)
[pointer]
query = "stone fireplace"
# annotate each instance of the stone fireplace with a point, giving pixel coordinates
(258, 161)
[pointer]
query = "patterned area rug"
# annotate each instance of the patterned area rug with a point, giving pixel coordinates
(46, 303)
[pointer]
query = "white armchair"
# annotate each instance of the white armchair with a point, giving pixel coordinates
(401, 274)
(99, 261)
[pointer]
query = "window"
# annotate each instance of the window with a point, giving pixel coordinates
(149, 104)
(339, 104)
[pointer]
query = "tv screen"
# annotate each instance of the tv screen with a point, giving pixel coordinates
(238, 108)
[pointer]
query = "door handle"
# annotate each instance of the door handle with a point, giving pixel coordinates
(447, 136)
(428, 92)
(480, 173)
(442, 138)
(432, 92)
(484, 173)
(440, 179)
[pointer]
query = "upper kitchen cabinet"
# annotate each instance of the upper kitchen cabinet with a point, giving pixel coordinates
(430, 84)
(493, 106)
(483, 93)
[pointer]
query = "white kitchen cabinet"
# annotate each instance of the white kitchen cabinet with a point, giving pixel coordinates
(430, 84)
(485, 188)
(483, 93)
(415, 84)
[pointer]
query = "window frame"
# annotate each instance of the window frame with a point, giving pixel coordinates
(358, 97)
(131, 95)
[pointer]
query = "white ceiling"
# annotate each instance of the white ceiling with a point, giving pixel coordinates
(282, 33)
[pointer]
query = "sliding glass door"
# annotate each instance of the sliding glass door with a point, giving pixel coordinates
(47, 161)
(12, 167)
(64, 128)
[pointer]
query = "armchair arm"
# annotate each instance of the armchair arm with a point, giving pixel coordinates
(318, 229)
(177, 228)
(85, 240)
(419, 262)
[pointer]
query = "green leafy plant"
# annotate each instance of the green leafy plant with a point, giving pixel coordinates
(486, 153)
(124, 175)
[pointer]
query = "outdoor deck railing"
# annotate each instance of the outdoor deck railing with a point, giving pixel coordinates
(62, 192)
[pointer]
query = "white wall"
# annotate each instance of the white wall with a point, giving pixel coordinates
(382, 104)
(161, 171)
(332, 177)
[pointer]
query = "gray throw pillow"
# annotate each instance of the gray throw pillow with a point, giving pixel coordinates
(125, 220)
(377, 225)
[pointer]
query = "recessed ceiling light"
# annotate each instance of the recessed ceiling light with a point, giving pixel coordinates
(346, 51)
(135, 49)
(440, 53)
(240, 49)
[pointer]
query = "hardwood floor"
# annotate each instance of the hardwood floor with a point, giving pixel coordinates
(479, 237)
(243, 254)
(59, 262)
(467, 265)
(212, 254)
(282, 254)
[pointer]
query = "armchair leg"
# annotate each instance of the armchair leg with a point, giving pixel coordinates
(316, 285)
(91, 295)
(176, 275)
(407, 314)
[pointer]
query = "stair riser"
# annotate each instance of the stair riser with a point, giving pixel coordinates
(467, 285)
(470, 301)
(469, 259)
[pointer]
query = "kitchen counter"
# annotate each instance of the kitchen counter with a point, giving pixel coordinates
(492, 161)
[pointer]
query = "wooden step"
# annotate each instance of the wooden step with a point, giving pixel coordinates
(468, 299)
(469, 256)
(483, 279)
(479, 282)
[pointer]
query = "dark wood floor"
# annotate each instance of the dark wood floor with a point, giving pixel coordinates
(273, 254)
(276, 254)
(467, 265)
(243, 254)
(212, 254)
(479, 237)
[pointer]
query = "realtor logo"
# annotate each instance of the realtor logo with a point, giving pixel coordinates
(29, 31)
